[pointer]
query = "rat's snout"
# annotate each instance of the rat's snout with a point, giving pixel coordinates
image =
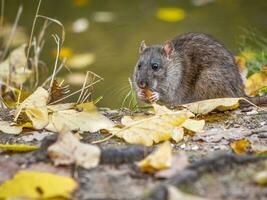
(142, 84)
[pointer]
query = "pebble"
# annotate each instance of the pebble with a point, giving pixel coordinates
(195, 147)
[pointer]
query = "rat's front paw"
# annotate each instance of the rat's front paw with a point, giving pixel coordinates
(154, 97)
(141, 95)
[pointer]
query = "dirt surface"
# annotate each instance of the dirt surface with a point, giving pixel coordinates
(117, 176)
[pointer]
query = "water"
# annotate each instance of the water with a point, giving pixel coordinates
(115, 43)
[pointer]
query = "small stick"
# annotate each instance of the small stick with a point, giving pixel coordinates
(84, 84)
(57, 40)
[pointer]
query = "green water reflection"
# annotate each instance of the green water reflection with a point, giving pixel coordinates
(115, 43)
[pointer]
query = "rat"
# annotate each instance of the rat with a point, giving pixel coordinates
(191, 67)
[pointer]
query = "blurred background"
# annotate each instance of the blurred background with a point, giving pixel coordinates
(103, 36)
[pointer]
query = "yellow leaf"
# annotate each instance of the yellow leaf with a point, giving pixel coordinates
(261, 178)
(171, 14)
(178, 134)
(18, 147)
(79, 61)
(86, 118)
(35, 107)
(5, 127)
(255, 82)
(68, 150)
(37, 185)
(241, 146)
(160, 159)
(153, 129)
(194, 125)
(206, 106)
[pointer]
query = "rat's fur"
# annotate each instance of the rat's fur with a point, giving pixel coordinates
(194, 66)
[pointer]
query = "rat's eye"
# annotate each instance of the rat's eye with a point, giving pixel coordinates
(139, 66)
(155, 66)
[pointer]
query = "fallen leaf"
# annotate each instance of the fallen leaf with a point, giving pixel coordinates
(68, 150)
(35, 107)
(171, 14)
(153, 129)
(241, 146)
(178, 163)
(37, 185)
(17, 62)
(255, 82)
(206, 106)
(18, 147)
(176, 194)
(178, 134)
(194, 125)
(6, 127)
(87, 118)
(79, 61)
(158, 160)
(261, 178)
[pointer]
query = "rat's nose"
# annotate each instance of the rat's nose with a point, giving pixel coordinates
(142, 84)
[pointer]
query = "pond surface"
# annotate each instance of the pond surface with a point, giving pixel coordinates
(116, 28)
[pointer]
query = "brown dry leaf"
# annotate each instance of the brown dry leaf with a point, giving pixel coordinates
(178, 163)
(255, 82)
(69, 150)
(57, 92)
(241, 146)
(206, 106)
(35, 107)
(85, 118)
(158, 160)
(176, 194)
(6, 127)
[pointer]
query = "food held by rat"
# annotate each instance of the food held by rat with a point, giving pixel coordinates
(191, 67)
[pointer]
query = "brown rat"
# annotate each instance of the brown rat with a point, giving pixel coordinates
(191, 67)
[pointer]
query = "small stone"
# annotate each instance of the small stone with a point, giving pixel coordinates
(195, 147)
(183, 146)
(253, 112)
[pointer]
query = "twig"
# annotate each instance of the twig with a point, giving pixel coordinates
(32, 30)
(58, 70)
(57, 40)
(84, 84)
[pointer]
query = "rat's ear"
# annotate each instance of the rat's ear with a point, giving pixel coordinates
(142, 46)
(168, 48)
